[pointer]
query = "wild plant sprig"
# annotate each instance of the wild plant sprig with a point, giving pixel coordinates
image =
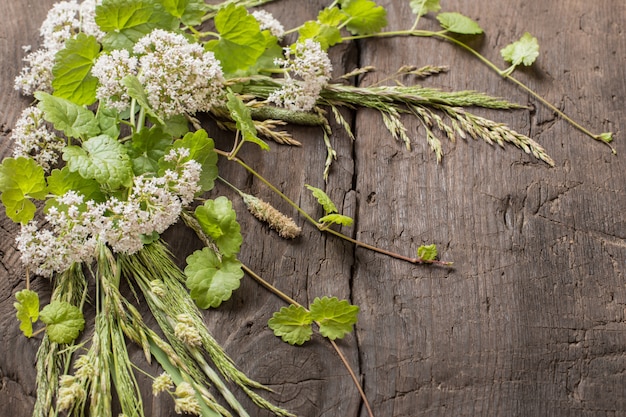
(311, 220)
(605, 137)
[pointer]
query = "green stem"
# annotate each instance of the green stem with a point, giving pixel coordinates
(321, 227)
(342, 357)
(603, 137)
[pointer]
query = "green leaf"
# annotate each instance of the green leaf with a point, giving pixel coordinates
(108, 121)
(523, 51)
(101, 158)
(364, 16)
(146, 148)
(273, 50)
(176, 126)
(606, 137)
(457, 23)
(201, 148)
(27, 307)
(63, 321)
(335, 317)
(70, 118)
(21, 179)
(135, 90)
(292, 324)
(190, 12)
(64, 180)
(241, 115)
(219, 221)
(324, 34)
(241, 42)
(323, 199)
(335, 218)
(72, 70)
(211, 280)
(427, 252)
(126, 21)
(332, 16)
(421, 7)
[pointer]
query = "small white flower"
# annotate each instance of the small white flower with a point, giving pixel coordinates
(88, 23)
(110, 69)
(308, 70)
(268, 21)
(37, 74)
(33, 139)
(62, 22)
(179, 77)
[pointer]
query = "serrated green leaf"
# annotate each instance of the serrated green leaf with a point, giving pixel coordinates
(523, 51)
(72, 70)
(190, 12)
(27, 307)
(126, 21)
(219, 221)
(135, 90)
(176, 126)
(322, 33)
(21, 179)
(211, 280)
(421, 7)
(322, 198)
(292, 324)
(241, 42)
(335, 317)
(64, 180)
(70, 118)
(108, 121)
(63, 321)
(243, 119)
(364, 16)
(335, 218)
(146, 148)
(273, 50)
(17, 207)
(101, 158)
(427, 252)
(457, 23)
(332, 16)
(201, 148)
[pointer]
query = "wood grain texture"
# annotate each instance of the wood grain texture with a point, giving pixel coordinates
(530, 322)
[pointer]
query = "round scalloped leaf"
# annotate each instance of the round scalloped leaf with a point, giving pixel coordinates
(63, 321)
(292, 324)
(211, 280)
(219, 221)
(335, 317)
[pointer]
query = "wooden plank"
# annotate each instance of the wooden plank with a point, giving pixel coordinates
(531, 319)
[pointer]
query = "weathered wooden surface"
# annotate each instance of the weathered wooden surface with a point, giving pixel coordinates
(530, 322)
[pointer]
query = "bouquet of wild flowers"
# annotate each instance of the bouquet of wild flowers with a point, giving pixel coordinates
(111, 155)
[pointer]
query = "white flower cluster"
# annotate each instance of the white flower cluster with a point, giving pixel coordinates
(178, 76)
(75, 227)
(308, 70)
(64, 20)
(33, 139)
(110, 69)
(268, 21)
